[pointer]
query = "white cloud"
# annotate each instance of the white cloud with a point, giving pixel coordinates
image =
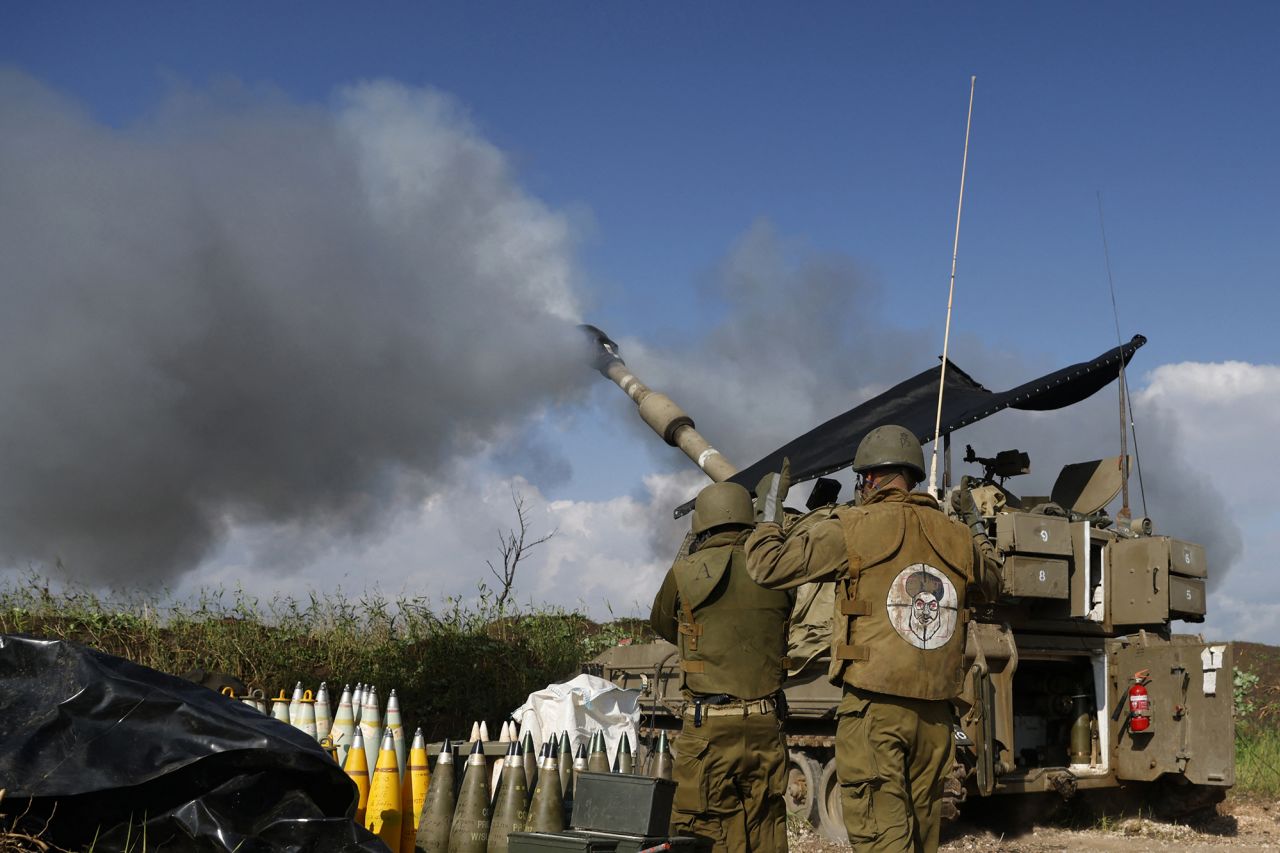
(600, 559)
(1226, 415)
(1232, 618)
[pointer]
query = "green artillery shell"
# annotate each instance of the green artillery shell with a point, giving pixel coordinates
(437, 812)
(597, 758)
(662, 766)
(512, 809)
(546, 813)
(470, 830)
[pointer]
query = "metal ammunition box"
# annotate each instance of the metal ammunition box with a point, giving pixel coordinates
(636, 843)
(622, 803)
(1186, 596)
(532, 842)
(1028, 533)
(601, 841)
(1035, 577)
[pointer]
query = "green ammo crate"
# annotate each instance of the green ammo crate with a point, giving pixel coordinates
(621, 803)
(637, 843)
(604, 842)
(535, 842)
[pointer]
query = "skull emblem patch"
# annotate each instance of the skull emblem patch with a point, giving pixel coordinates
(923, 606)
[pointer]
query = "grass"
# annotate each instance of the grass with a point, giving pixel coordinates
(450, 664)
(1258, 762)
(1257, 706)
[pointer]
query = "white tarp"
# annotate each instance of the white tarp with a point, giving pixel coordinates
(581, 707)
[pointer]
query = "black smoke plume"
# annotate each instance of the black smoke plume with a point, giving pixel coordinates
(245, 310)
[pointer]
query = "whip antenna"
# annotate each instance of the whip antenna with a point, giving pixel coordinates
(946, 335)
(1126, 404)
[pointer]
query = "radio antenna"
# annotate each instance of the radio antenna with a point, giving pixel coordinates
(1126, 404)
(946, 334)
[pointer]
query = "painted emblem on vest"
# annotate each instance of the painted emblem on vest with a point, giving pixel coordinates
(922, 606)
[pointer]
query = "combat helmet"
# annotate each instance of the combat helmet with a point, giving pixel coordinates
(890, 446)
(722, 503)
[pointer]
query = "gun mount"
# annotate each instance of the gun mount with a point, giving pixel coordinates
(1005, 464)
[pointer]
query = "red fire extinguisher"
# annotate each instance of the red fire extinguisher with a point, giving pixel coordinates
(1139, 703)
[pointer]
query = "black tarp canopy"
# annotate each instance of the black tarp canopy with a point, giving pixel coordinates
(100, 753)
(914, 405)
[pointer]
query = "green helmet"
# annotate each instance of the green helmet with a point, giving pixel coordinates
(890, 446)
(722, 503)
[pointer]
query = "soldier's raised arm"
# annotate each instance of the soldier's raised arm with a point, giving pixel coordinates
(664, 617)
(815, 553)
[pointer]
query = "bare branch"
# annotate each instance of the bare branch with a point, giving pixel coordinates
(513, 545)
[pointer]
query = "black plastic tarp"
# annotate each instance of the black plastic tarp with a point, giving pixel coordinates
(108, 752)
(914, 405)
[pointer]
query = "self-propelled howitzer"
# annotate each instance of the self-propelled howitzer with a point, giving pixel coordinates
(1075, 682)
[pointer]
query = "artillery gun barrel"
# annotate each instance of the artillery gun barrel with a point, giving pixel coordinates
(658, 410)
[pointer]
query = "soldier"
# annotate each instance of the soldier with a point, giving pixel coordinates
(901, 569)
(731, 766)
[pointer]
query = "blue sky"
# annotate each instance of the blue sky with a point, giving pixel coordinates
(676, 126)
(662, 136)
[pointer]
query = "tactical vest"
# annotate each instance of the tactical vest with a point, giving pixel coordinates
(732, 630)
(899, 619)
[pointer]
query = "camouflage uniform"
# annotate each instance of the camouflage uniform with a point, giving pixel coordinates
(730, 767)
(901, 569)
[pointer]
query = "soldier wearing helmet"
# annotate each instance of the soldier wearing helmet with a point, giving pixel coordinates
(730, 768)
(902, 570)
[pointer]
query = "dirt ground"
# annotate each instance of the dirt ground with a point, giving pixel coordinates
(1240, 823)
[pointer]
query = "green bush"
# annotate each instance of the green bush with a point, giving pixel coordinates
(449, 665)
(1243, 684)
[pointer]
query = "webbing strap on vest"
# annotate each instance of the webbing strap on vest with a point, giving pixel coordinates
(855, 608)
(855, 559)
(846, 651)
(689, 628)
(694, 666)
(852, 651)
